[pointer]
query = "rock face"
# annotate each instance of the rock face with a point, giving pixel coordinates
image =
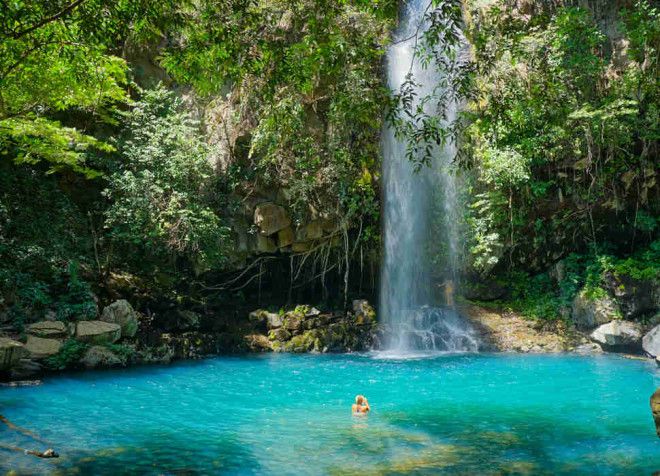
(98, 357)
(41, 348)
(98, 332)
(588, 312)
(509, 332)
(306, 329)
(655, 409)
(258, 343)
(53, 329)
(11, 352)
(651, 342)
(619, 335)
(122, 313)
(635, 297)
(270, 218)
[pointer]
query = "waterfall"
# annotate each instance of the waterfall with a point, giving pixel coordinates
(418, 314)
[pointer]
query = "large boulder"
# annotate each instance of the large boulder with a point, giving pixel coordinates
(589, 311)
(98, 356)
(270, 218)
(98, 332)
(651, 342)
(11, 352)
(655, 409)
(41, 348)
(122, 313)
(619, 335)
(52, 329)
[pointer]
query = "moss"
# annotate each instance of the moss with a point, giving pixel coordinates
(302, 343)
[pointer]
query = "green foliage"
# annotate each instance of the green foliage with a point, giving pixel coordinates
(543, 297)
(561, 135)
(45, 248)
(68, 357)
(124, 352)
(77, 302)
(160, 192)
(306, 76)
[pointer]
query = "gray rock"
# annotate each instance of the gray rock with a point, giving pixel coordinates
(621, 335)
(270, 218)
(651, 342)
(11, 352)
(98, 332)
(312, 312)
(98, 357)
(48, 329)
(590, 348)
(41, 348)
(122, 313)
(588, 312)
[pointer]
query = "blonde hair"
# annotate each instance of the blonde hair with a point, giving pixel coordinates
(359, 399)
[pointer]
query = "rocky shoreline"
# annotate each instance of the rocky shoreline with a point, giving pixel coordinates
(122, 337)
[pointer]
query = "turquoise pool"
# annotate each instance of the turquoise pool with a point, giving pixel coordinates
(288, 414)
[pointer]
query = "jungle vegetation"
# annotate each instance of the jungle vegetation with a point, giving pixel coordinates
(106, 172)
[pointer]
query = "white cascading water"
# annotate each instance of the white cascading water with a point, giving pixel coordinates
(416, 316)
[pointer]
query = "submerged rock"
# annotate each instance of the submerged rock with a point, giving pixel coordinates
(11, 352)
(98, 332)
(589, 312)
(41, 348)
(98, 357)
(53, 329)
(651, 342)
(619, 335)
(122, 313)
(655, 410)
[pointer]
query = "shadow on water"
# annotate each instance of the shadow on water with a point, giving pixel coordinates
(461, 439)
(157, 453)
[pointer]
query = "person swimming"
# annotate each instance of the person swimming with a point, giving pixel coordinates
(361, 405)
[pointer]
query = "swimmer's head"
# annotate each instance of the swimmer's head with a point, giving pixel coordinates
(359, 399)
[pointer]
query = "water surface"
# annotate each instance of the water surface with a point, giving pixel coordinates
(287, 414)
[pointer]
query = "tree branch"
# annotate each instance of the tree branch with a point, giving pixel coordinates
(47, 20)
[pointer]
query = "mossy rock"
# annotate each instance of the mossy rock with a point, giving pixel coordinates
(302, 343)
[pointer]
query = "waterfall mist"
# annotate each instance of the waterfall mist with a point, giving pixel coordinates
(416, 306)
